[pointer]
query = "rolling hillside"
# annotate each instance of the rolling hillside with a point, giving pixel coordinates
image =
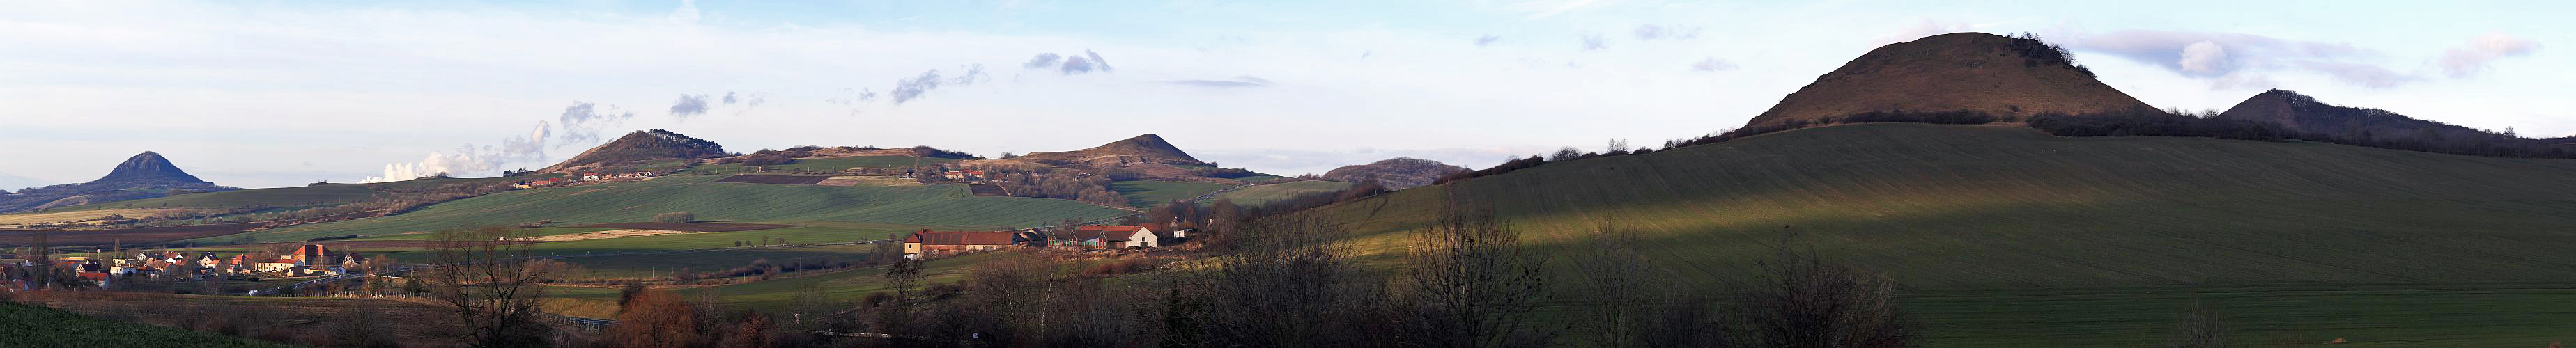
(1260, 195)
(637, 201)
(1983, 213)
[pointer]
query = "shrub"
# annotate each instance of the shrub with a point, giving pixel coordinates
(675, 217)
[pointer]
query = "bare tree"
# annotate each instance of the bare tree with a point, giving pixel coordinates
(1631, 302)
(2199, 328)
(1290, 283)
(493, 287)
(1470, 284)
(1564, 154)
(655, 318)
(1803, 301)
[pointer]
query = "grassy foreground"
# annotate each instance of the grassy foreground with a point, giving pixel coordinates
(2005, 236)
(32, 326)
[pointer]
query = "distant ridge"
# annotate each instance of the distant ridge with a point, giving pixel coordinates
(1396, 173)
(146, 175)
(1142, 149)
(1979, 72)
(149, 167)
(2302, 113)
(639, 146)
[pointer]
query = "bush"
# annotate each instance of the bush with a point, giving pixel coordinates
(675, 217)
(2150, 122)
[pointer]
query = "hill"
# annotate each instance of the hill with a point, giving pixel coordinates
(637, 148)
(145, 175)
(1969, 219)
(1142, 149)
(2301, 113)
(1978, 72)
(1396, 173)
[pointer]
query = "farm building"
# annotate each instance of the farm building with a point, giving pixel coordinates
(1110, 237)
(930, 242)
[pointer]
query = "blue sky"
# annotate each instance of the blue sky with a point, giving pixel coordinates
(277, 93)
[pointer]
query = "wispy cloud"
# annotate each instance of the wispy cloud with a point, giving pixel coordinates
(909, 89)
(1482, 41)
(583, 120)
(2236, 60)
(1712, 64)
(691, 105)
(1237, 82)
(1043, 61)
(2468, 60)
(1651, 32)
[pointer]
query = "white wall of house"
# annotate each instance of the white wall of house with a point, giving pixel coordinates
(1144, 238)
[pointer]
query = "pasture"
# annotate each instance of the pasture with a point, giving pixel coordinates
(775, 179)
(1259, 195)
(1149, 194)
(825, 165)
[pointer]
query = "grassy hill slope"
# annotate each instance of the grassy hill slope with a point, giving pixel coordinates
(1151, 193)
(945, 205)
(1998, 209)
(1260, 195)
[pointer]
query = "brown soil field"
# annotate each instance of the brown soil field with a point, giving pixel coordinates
(986, 190)
(775, 179)
(384, 244)
(605, 235)
(688, 227)
(294, 320)
(128, 236)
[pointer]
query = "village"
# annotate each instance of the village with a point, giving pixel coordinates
(930, 244)
(117, 269)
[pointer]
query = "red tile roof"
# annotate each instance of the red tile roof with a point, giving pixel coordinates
(960, 238)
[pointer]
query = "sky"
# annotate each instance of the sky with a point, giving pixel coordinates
(284, 93)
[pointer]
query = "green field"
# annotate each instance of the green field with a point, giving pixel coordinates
(1260, 195)
(32, 326)
(843, 287)
(1148, 193)
(832, 164)
(1977, 221)
(638, 201)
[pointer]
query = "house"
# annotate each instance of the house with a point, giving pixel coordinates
(277, 265)
(311, 254)
(1120, 236)
(930, 242)
(953, 175)
(589, 176)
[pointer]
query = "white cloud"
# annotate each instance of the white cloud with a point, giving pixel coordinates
(686, 14)
(2468, 60)
(2235, 59)
(2205, 58)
